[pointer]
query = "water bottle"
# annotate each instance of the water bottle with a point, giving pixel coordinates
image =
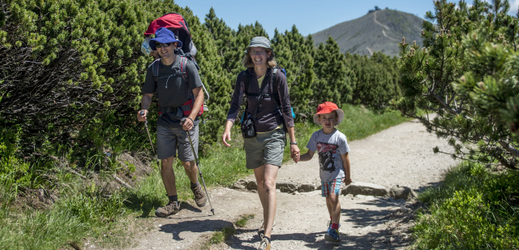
(145, 46)
(205, 106)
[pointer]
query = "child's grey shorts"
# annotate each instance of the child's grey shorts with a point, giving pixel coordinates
(265, 148)
(169, 139)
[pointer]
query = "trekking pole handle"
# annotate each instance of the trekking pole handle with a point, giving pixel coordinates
(142, 113)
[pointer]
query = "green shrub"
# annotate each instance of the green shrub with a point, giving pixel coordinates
(73, 67)
(473, 209)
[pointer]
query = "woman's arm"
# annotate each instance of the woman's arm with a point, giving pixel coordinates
(233, 110)
(294, 149)
(284, 100)
(237, 98)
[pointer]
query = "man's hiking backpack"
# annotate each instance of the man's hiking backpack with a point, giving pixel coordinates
(178, 25)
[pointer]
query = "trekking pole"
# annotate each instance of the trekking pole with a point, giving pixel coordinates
(149, 137)
(198, 166)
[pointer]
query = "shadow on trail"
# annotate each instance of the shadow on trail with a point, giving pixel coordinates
(316, 241)
(363, 218)
(196, 225)
(428, 185)
(308, 239)
(366, 220)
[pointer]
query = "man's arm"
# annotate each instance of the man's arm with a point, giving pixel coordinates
(145, 104)
(199, 101)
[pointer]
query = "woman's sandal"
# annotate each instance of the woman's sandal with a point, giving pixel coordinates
(261, 230)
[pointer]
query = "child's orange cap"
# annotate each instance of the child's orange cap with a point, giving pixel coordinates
(326, 108)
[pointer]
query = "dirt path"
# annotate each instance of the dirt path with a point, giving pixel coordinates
(384, 26)
(377, 22)
(401, 155)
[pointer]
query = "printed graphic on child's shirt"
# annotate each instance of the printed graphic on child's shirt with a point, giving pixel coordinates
(327, 156)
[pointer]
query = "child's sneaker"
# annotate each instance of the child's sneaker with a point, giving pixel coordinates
(333, 235)
(172, 208)
(265, 244)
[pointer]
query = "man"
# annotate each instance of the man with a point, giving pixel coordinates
(175, 119)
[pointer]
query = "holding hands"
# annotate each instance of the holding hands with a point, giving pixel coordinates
(294, 152)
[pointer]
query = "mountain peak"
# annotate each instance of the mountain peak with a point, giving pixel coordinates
(378, 30)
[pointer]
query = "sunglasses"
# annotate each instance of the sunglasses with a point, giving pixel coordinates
(162, 45)
(258, 52)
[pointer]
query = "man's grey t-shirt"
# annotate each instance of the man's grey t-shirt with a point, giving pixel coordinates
(329, 148)
(171, 89)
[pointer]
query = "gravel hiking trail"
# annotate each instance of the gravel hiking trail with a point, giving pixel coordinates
(401, 155)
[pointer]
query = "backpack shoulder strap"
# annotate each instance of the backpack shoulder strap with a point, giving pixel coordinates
(155, 69)
(275, 91)
(246, 81)
(183, 67)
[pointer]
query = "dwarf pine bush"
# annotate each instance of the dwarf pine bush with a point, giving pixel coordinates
(473, 209)
(73, 68)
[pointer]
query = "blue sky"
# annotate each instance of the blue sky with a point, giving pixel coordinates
(308, 16)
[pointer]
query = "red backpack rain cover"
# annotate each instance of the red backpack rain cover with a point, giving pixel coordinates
(176, 23)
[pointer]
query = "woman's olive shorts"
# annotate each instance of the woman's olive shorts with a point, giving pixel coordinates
(265, 148)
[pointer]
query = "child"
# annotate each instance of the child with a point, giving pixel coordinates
(332, 148)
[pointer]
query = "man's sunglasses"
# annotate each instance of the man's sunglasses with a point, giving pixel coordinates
(162, 45)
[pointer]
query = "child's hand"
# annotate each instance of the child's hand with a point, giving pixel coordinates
(347, 181)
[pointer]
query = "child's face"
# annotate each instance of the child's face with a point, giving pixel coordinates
(328, 120)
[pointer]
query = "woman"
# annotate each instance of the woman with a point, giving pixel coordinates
(271, 103)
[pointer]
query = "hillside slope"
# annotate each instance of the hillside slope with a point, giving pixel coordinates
(376, 31)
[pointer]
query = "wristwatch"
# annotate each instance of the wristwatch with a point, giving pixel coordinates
(293, 143)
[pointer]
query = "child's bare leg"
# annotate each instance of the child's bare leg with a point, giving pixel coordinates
(329, 206)
(334, 207)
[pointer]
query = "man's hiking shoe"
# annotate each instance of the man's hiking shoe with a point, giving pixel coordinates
(261, 230)
(200, 198)
(333, 235)
(265, 244)
(172, 208)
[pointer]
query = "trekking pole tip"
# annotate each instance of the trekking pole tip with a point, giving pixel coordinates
(212, 210)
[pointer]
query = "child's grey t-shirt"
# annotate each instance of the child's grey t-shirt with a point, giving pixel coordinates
(329, 148)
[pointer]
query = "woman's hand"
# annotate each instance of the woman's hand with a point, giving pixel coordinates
(226, 136)
(294, 152)
(227, 132)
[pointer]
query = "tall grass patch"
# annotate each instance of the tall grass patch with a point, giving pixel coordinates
(474, 208)
(78, 215)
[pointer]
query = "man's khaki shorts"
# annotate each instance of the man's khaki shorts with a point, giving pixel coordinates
(169, 139)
